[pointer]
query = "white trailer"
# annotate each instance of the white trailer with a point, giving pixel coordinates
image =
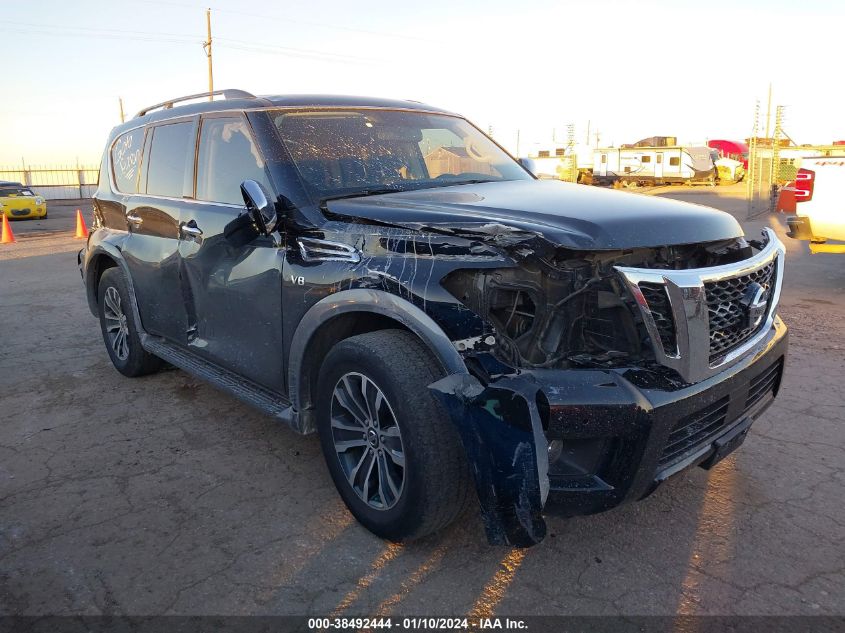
(555, 162)
(654, 165)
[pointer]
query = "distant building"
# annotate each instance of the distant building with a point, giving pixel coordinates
(454, 160)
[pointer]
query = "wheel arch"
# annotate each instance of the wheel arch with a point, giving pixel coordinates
(348, 313)
(102, 257)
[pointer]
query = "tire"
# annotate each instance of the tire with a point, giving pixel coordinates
(124, 346)
(435, 482)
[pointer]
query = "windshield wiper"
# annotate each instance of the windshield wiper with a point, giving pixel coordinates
(396, 188)
(361, 193)
(474, 181)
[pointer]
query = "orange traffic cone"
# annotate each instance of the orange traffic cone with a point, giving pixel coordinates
(81, 229)
(7, 236)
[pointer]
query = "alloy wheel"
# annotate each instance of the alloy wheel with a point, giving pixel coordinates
(117, 327)
(367, 441)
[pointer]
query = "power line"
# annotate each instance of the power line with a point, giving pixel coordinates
(258, 47)
(98, 30)
(175, 38)
(351, 29)
(105, 36)
(321, 25)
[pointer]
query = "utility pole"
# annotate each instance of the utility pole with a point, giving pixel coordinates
(769, 110)
(588, 132)
(120, 101)
(207, 48)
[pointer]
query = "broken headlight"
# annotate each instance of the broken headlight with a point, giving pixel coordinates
(545, 316)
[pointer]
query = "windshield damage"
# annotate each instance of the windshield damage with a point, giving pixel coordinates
(355, 153)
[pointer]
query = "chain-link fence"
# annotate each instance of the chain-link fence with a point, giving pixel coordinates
(760, 177)
(772, 163)
(55, 182)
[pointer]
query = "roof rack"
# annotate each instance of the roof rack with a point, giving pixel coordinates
(227, 94)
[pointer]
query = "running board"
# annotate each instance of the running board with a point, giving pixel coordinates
(263, 399)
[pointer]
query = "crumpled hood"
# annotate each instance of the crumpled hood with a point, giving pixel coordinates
(568, 215)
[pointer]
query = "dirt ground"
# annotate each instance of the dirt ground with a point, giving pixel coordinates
(161, 495)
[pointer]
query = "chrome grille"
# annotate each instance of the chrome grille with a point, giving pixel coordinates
(729, 325)
(658, 302)
(715, 315)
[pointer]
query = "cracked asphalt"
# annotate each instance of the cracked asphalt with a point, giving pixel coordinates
(161, 495)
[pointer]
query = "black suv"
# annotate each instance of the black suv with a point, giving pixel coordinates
(383, 273)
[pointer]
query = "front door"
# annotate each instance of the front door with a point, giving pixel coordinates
(233, 294)
(153, 216)
(658, 167)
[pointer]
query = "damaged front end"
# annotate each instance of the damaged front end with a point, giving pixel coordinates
(566, 325)
(502, 431)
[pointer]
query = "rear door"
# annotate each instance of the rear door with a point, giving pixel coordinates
(233, 295)
(153, 218)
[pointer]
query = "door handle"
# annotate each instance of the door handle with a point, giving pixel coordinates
(190, 230)
(134, 219)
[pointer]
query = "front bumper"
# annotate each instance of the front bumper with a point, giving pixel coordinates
(638, 434)
(24, 213)
(573, 442)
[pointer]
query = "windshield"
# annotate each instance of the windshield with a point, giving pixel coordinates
(357, 152)
(14, 190)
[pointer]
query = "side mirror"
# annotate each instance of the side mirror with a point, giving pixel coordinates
(259, 218)
(260, 208)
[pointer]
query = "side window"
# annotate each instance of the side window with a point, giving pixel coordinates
(660, 158)
(227, 157)
(646, 159)
(126, 160)
(604, 158)
(171, 159)
(674, 161)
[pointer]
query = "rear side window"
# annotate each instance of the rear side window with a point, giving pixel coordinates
(227, 157)
(171, 159)
(126, 160)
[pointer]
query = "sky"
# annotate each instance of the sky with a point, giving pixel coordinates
(526, 70)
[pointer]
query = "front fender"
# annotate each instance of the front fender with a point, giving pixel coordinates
(499, 425)
(361, 300)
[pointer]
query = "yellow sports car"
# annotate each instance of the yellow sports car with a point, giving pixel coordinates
(19, 201)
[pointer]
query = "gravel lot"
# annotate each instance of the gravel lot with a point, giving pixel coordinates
(160, 495)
